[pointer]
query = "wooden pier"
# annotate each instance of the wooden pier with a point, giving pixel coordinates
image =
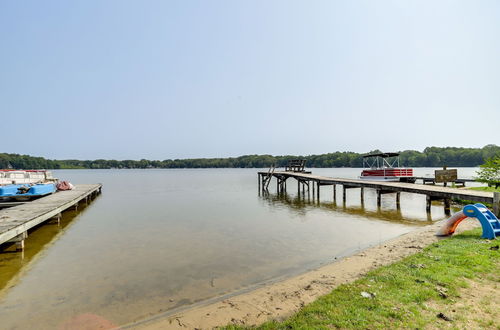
(17, 220)
(307, 182)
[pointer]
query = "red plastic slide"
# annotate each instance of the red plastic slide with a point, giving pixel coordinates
(451, 224)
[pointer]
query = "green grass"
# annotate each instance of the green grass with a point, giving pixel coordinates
(402, 289)
(490, 189)
(465, 202)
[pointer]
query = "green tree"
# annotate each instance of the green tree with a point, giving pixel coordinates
(490, 172)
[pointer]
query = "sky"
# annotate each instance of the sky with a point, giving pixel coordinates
(116, 79)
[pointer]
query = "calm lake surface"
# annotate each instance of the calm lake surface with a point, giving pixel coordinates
(156, 240)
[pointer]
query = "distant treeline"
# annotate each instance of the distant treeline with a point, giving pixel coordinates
(430, 157)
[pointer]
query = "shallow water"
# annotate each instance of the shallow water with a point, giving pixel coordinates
(159, 239)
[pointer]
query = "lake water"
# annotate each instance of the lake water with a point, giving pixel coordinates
(157, 240)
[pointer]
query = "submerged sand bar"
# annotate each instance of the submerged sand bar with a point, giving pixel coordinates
(17, 220)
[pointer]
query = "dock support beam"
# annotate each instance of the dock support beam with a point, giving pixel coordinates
(317, 190)
(447, 206)
(334, 192)
(428, 203)
(380, 192)
(57, 218)
(19, 240)
(446, 201)
(496, 203)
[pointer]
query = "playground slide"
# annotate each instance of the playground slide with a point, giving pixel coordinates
(451, 224)
(489, 222)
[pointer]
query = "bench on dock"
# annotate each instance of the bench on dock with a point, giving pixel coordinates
(428, 181)
(295, 165)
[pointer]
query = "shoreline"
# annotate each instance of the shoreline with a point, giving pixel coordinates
(281, 298)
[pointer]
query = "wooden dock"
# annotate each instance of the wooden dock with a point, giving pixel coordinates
(17, 220)
(307, 182)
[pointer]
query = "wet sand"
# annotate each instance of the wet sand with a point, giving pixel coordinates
(282, 299)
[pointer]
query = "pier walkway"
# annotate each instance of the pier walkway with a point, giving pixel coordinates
(17, 220)
(305, 181)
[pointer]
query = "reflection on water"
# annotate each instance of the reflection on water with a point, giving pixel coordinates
(300, 203)
(12, 262)
(159, 239)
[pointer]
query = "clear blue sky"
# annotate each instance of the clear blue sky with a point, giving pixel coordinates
(177, 79)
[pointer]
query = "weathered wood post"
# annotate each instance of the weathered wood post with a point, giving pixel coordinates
(334, 192)
(344, 197)
(362, 195)
(496, 203)
(19, 241)
(445, 183)
(317, 190)
(57, 218)
(447, 206)
(258, 179)
(398, 198)
(379, 197)
(428, 203)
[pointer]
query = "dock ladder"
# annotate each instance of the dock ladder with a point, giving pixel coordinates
(267, 179)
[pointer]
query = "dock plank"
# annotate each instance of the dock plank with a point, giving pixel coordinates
(18, 219)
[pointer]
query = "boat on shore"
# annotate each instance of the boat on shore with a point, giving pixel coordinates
(385, 167)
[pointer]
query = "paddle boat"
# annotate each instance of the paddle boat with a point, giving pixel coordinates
(385, 167)
(9, 176)
(25, 184)
(24, 192)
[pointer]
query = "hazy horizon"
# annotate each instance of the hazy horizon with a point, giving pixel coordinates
(236, 156)
(167, 80)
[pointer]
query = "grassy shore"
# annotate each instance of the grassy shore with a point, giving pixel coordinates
(429, 289)
(490, 189)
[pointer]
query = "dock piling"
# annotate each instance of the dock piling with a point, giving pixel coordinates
(19, 240)
(428, 203)
(447, 206)
(496, 203)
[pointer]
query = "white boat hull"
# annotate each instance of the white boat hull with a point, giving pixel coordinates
(24, 177)
(380, 178)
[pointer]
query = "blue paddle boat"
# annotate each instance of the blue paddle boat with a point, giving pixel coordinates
(22, 192)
